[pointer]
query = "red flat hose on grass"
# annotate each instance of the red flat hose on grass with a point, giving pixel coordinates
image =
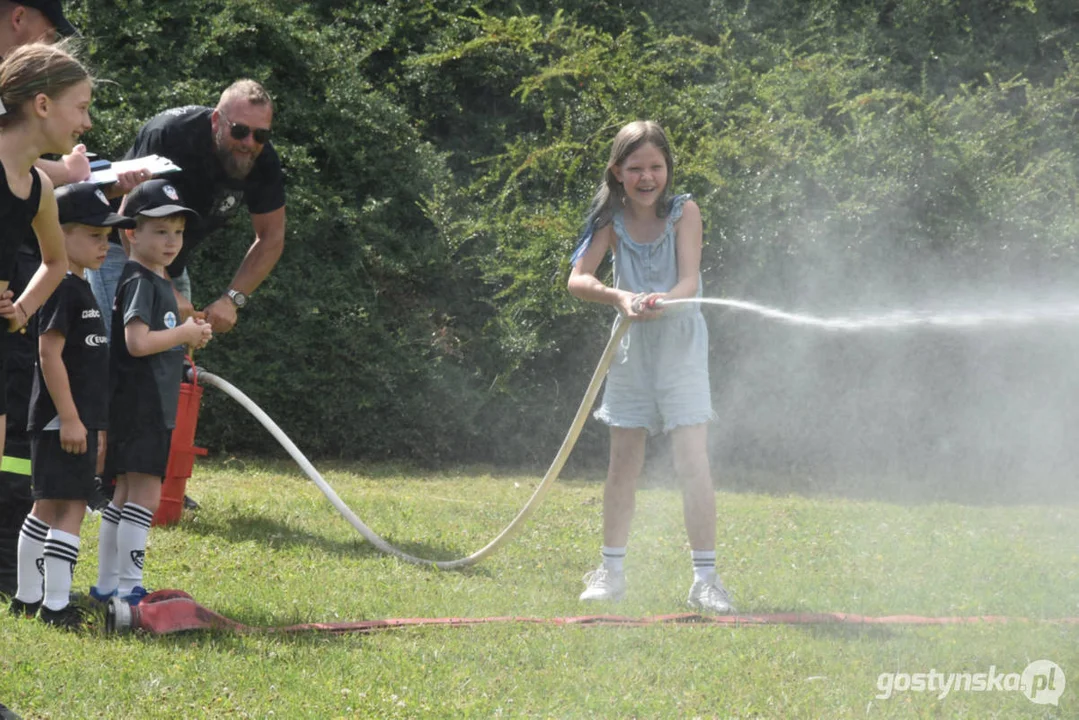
(172, 611)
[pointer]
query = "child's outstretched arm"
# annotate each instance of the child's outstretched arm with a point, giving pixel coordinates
(142, 341)
(72, 431)
(53, 258)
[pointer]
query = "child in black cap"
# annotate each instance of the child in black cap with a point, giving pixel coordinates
(68, 406)
(146, 367)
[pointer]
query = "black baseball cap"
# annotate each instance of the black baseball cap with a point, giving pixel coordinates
(156, 198)
(84, 203)
(54, 12)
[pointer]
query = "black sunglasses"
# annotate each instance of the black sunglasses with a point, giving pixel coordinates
(239, 131)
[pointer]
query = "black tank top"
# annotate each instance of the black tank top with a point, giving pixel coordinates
(16, 219)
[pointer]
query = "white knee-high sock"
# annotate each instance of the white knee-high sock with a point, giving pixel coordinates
(131, 545)
(61, 554)
(108, 562)
(31, 568)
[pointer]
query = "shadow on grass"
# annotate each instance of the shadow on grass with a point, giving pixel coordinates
(241, 528)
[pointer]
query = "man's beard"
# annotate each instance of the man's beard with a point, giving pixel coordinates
(236, 166)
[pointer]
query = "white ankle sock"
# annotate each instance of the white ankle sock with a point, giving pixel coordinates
(613, 557)
(704, 565)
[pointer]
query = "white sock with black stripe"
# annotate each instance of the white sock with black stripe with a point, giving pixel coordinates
(131, 545)
(613, 558)
(704, 565)
(31, 568)
(108, 562)
(61, 554)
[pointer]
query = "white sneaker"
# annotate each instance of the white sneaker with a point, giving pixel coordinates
(603, 584)
(710, 596)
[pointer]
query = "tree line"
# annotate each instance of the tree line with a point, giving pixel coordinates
(440, 156)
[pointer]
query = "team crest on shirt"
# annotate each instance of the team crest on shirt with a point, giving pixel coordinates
(171, 193)
(170, 319)
(95, 341)
(101, 196)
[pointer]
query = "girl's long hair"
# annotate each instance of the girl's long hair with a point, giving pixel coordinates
(610, 193)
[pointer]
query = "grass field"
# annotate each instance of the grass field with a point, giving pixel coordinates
(267, 549)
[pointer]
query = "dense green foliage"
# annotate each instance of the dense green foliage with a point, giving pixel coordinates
(440, 157)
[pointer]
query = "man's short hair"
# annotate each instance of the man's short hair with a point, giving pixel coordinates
(246, 90)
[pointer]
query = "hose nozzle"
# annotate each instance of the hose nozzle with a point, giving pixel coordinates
(642, 302)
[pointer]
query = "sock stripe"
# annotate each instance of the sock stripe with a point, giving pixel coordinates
(137, 515)
(34, 529)
(61, 550)
(111, 514)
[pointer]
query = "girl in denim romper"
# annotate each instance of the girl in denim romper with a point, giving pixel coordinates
(658, 381)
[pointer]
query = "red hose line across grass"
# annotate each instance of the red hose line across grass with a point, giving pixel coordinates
(171, 611)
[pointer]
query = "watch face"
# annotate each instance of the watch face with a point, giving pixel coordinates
(238, 297)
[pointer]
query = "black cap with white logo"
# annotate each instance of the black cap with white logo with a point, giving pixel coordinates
(84, 203)
(156, 198)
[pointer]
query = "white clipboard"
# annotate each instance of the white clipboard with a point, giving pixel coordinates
(156, 164)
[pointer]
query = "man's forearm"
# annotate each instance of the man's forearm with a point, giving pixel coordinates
(256, 266)
(264, 252)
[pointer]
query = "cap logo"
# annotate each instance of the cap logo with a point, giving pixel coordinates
(101, 196)
(171, 193)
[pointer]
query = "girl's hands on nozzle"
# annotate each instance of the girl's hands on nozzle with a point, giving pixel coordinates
(645, 306)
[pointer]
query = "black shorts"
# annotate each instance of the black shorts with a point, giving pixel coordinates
(60, 475)
(144, 451)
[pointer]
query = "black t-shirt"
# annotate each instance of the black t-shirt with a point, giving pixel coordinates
(145, 390)
(185, 136)
(72, 311)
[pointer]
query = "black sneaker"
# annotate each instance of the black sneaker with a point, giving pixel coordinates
(19, 608)
(6, 714)
(190, 504)
(69, 617)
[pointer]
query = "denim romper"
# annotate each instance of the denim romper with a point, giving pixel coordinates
(659, 377)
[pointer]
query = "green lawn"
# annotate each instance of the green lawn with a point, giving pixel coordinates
(267, 549)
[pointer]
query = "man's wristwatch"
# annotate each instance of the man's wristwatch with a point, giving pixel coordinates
(238, 298)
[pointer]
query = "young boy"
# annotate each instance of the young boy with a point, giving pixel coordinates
(146, 368)
(68, 406)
